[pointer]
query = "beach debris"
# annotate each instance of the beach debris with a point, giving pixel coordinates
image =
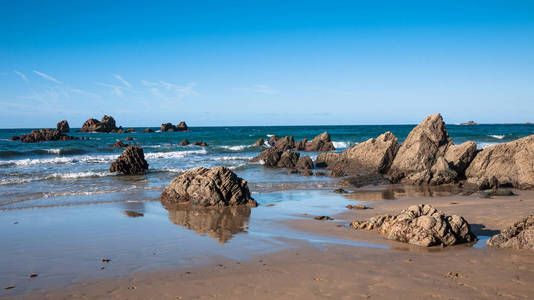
(454, 275)
(217, 186)
(63, 126)
(356, 206)
(323, 218)
(130, 162)
(259, 143)
(33, 275)
(421, 225)
(106, 260)
(339, 191)
(184, 143)
(491, 193)
(304, 163)
(45, 135)
(133, 214)
(507, 164)
(106, 125)
(9, 287)
(169, 127)
(518, 236)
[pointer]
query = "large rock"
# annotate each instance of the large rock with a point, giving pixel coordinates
(170, 127)
(285, 143)
(268, 157)
(63, 126)
(216, 187)
(321, 142)
(288, 159)
(304, 163)
(130, 162)
(93, 125)
(507, 164)
(425, 143)
(421, 225)
(460, 156)
(374, 155)
(518, 236)
(442, 173)
(45, 135)
(326, 159)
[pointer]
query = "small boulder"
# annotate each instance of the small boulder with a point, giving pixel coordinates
(119, 144)
(129, 138)
(63, 126)
(216, 187)
(200, 143)
(518, 236)
(130, 162)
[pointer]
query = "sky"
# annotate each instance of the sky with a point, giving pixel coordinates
(231, 63)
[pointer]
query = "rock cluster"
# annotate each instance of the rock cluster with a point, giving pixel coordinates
(421, 225)
(44, 135)
(216, 187)
(322, 142)
(169, 127)
(518, 236)
(130, 162)
(200, 143)
(63, 126)
(148, 130)
(106, 125)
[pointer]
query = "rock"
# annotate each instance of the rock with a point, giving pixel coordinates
(321, 142)
(421, 225)
(148, 130)
(292, 171)
(184, 143)
(45, 135)
(356, 206)
(518, 236)
(307, 173)
(337, 172)
(507, 164)
(500, 193)
(323, 218)
(119, 130)
(269, 157)
(200, 143)
(469, 123)
(460, 156)
(15, 138)
(130, 162)
(356, 181)
(93, 125)
(133, 214)
(129, 138)
(326, 159)
(131, 130)
(301, 145)
(285, 143)
(442, 172)
(119, 144)
(273, 139)
(339, 191)
(218, 187)
(169, 127)
(63, 126)
(304, 163)
(425, 143)
(373, 155)
(288, 159)
(259, 143)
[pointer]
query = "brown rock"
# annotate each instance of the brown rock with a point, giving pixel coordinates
(184, 143)
(130, 162)
(129, 138)
(63, 126)
(259, 143)
(119, 144)
(131, 130)
(200, 143)
(15, 138)
(326, 159)
(93, 125)
(442, 173)
(273, 139)
(148, 130)
(208, 187)
(269, 157)
(304, 163)
(373, 155)
(321, 142)
(169, 127)
(285, 143)
(460, 156)
(288, 159)
(45, 135)
(301, 145)
(421, 225)
(507, 164)
(518, 236)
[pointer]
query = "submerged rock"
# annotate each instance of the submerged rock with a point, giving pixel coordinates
(200, 143)
(130, 162)
(518, 236)
(421, 225)
(93, 125)
(44, 135)
(507, 164)
(63, 126)
(216, 187)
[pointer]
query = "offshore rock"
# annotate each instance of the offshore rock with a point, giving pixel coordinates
(169, 127)
(63, 126)
(321, 142)
(130, 162)
(45, 135)
(93, 125)
(268, 157)
(288, 159)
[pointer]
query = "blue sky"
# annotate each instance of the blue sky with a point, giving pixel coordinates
(265, 62)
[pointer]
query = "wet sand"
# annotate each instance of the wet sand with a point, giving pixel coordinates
(337, 271)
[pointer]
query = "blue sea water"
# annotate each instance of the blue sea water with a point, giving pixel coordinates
(74, 172)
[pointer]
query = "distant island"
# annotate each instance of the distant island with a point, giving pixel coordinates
(469, 123)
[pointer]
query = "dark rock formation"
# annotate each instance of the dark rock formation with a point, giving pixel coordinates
(288, 159)
(15, 138)
(63, 126)
(321, 142)
(507, 164)
(148, 130)
(518, 236)
(131, 130)
(45, 135)
(216, 187)
(285, 143)
(128, 138)
(260, 142)
(184, 143)
(269, 157)
(200, 143)
(273, 139)
(304, 163)
(119, 130)
(421, 225)
(119, 144)
(169, 127)
(130, 162)
(93, 125)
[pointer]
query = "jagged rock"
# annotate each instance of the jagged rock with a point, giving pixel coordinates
(184, 143)
(518, 236)
(301, 145)
(200, 143)
(129, 138)
(460, 156)
(304, 163)
(326, 159)
(148, 130)
(119, 130)
(425, 143)
(63, 126)
(169, 127)
(217, 187)
(119, 144)
(260, 142)
(130, 162)
(507, 164)
(307, 173)
(268, 157)
(273, 139)
(442, 172)
(15, 138)
(373, 155)
(321, 142)
(45, 135)
(285, 143)
(288, 159)
(93, 125)
(421, 225)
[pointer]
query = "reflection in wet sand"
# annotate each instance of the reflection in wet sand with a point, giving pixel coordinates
(133, 209)
(392, 192)
(219, 223)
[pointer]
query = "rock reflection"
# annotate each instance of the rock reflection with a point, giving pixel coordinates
(218, 223)
(403, 191)
(133, 209)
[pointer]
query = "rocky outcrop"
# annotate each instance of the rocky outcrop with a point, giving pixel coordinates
(304, 163)
(421, 225)
(469, 123)
(321, 142)
(63, 126)
(326, 159)
(268, 157)
(460, 156)
(285, 143)
(119, 144)
(507, 164)
(148, 130)
(260, 142)
(288, 159)
(200, 143)
(44, 135)
(169, 127)
(130, 162)
(441, 173)
(93, 125)
(518, 236)
(373, 155)
(184, 143)
(216, 187)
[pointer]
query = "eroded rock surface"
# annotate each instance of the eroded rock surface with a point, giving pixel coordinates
(63, 126)
(170, 127)
(93, 125)
(44, 135)
(321, 142)
(518, 236)
(130, 162)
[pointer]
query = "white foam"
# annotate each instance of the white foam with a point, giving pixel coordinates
(236, 148)
(60, 160)
(339, 145)
(226, 158)
(270, 135)
(497, 136)
(174, 154)
(54, 151)
(484, 145)
(76, 175)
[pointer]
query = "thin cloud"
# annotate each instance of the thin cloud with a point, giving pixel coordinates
(21, 75)
(117, 90)
(47, 77)
(258, 89)
(119, 78)
(171, 90)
